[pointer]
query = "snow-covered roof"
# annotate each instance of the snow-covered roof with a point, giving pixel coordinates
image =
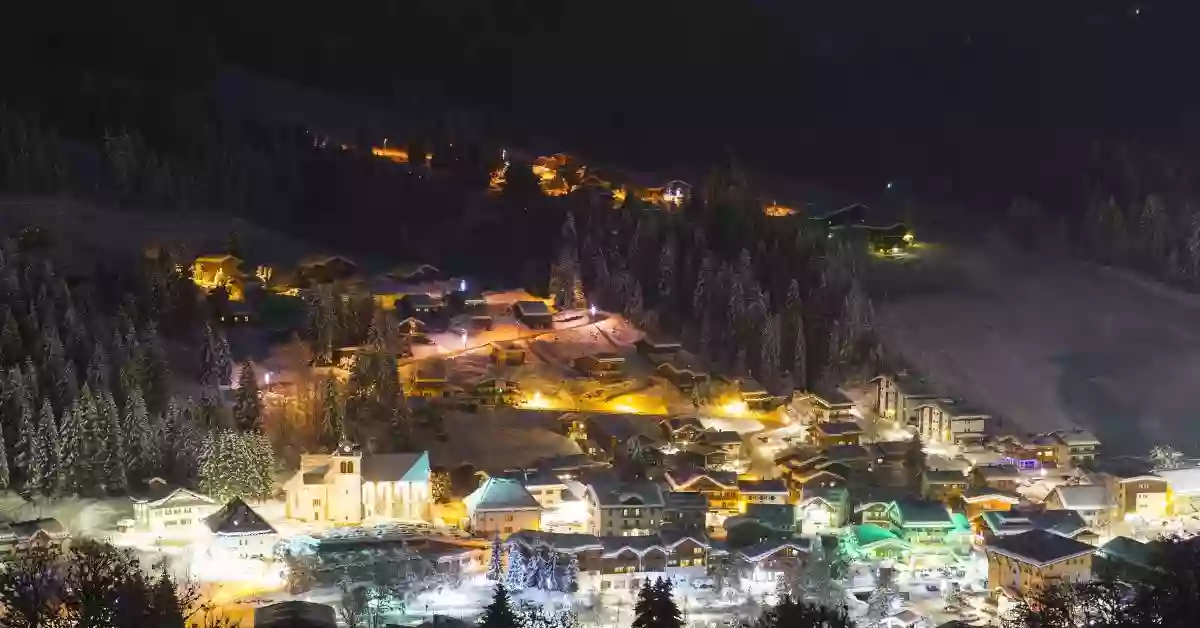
(762, 486)
(682, 480)
(838, 428)
(411, 467)
(558, 541)
(1077, 438)
(1039, 547)
(237, 517)
(610, 494)
(762, 550)
(1182, 481)
(500, 494)
(1083, 497)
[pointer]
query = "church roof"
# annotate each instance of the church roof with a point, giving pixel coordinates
(410, 467)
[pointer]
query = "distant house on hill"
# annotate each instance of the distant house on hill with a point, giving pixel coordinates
(217, 271)
(322, 269)
(163, 509)
(239, 531)
(534, 314)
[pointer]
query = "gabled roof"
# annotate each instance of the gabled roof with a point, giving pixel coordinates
(838, 453)
(218, 259)
(721, 437)
(1066, 523)
(237, 517)
(609, 494)
(24, 530)
(410, 467)
(765, 549)
(1000, 472)
(1076, 437)
(762, 486)
(912, 386)
(839, 428)
(933, 476)
(158, 492)
(558, 541)
(829, 396)
(533, 308)
(1130, 551)
(1083, 497)
(687, 478)
(774, 515)
(1183, 481)
(686, 500)
(869, 534)
(923, 513)
(640, 545)
(1039, 547)
(976, 494)
(500, 494)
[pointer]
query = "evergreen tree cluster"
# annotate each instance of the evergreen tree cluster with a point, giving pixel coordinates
(655, 606)
(753, 295)
(95, 584)
(84, 396)
(542, 569)
(500, 613)
(237, 464)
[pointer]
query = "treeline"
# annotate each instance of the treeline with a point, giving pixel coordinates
(1130, 207)
(774, 298)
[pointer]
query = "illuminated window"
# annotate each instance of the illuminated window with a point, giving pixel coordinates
(347, 466)
(508, 517)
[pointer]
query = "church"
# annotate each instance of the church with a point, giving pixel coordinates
(348, 486)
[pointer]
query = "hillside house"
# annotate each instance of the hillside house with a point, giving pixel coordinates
(501, 506)
(929, 527)
(765, 562)
(1091, 501)
(754, 395)
(614, 563)
(1076, 447)
(943, 486)
(19, 537)
(1065, 523)
(164, 510)
(1022, 564)
(1002, 477)
(323, 269)
(623, 436)
(950, 423)
(418, 304)
(497, 391)
(220, 271)
(820, 509)
(682, 430)
(238, 531)
(837, 433)
(508, 353)
(599, 365)
(430, 379)
(720, 487)
(728, 441)
(898, 396)
(830, 405)
(685, 512)
(534, 314)
(346, 486)
(978, 500)
(625, 508)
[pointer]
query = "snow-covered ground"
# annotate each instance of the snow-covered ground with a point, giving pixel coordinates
(1049, 344)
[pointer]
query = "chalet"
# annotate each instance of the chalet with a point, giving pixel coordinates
(754, 395)
(623, 436)
(946, 422)
(1091, 501)
(508, 353)
(623, 563)
(929, 526)
(978, 500)
(721, 488)
(1064, 523)
(414, 273)
(682, 430)
(728, 441)
(238, 531)
(1003, 477)
(820, 509)
(877, 542)
(700, 456)
(322, 269)
(680, 369)
(685, 512)
(547, 488)
(1076, 447)
(599, 365)
(165, 510)
(898, 396)
(625, 508)
(830, 405)
(430, 380)
(1141, 495)
(418, 304)
(501, 506)
(1020, 565)
(497, 391)
(837, 433)
(534, 314)
(767, 561)
(650, 345)
(220, 271)
(943, 486)
(19, 537)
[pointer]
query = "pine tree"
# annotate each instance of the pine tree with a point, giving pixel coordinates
(666, 274)
(643, 609)
(68, 434)
(768, 369)
(666, 611)
(140, 457)
(536, 574)
(499, 614)
(97, 369)
(12, 350)
(4, 475)
(247, 403)
(332, 414)
(571, 578)
(800, 356)
(28, 451)
(211, 366)
(516, 572)
(115, 478)
(882, 598)
(50, 451)
(494, 565)
(156, 372)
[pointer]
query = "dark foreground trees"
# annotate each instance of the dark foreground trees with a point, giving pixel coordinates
(96, 585)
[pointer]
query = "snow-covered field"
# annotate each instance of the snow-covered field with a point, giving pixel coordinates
(1050, 343)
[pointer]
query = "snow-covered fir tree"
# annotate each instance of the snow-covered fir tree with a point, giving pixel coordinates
(535, 576)
(499, 613)
(882, 599)
(571, 575)
(50, 450)
(28, 450)
(495, 563)
(68, 435)
(114, 479)
(89, 459)
(247, 402)
(233, 464)
(4, 474)
(135, 423)
(516, 573)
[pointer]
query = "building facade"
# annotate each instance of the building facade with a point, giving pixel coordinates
(347, 486)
